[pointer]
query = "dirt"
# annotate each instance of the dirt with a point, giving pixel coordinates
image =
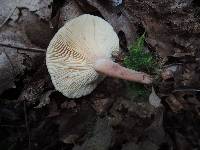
(34, 116)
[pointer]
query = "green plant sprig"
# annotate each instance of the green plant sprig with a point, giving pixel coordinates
(140, 60)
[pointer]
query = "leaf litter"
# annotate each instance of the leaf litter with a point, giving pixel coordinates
(30, 109)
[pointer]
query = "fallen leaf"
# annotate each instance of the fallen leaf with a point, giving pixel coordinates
(173, 103)
(154, 100)
(167, 31)
(169, 71)
(22, 33)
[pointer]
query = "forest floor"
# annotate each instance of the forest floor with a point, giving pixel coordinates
(33, 116)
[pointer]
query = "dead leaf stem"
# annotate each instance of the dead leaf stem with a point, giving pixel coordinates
(29, 49)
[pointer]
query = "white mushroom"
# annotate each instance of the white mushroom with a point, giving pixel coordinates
(80, 54)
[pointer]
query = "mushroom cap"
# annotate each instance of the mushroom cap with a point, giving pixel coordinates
(73, 51)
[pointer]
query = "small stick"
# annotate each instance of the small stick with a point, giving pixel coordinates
(37, 50)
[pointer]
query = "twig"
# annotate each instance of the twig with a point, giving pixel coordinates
(171, 65)
(8, 17)
(37, 50)
(27, 126)
(186, 90)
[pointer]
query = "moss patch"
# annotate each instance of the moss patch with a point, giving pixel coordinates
(140, 60)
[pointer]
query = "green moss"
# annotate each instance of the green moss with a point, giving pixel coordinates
(140, 60)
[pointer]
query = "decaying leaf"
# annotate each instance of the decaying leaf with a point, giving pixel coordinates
(171, 70)
(173, 103)
(154, 100)
(23, 24)
(168, 27)
(22, 33)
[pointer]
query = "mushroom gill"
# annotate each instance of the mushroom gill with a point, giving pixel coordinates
(80, 55)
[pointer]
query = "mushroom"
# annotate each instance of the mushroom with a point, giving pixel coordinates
(80, 55)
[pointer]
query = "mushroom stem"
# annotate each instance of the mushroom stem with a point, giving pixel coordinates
(110, 68)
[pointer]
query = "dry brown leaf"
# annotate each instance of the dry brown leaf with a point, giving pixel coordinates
(20, 29)
(13, 39)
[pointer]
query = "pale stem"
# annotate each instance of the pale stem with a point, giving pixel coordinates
(110, 68)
